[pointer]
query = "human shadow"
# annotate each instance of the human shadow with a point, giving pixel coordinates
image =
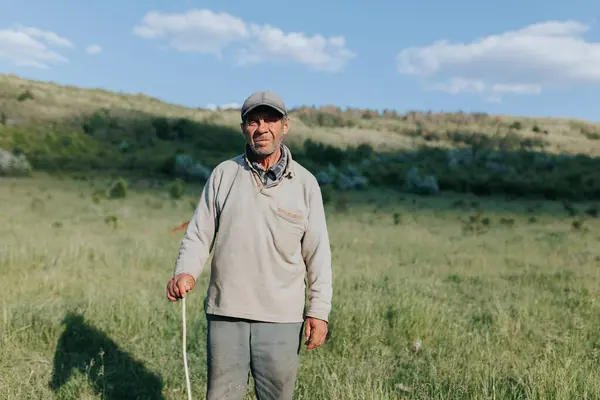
(111, 371)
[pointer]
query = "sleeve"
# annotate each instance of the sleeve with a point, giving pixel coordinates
(198, 239)
(316, 252)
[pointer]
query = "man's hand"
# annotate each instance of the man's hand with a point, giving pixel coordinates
(179, 285)
(315, 332)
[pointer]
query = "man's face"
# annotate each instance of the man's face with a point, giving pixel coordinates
(264, 129)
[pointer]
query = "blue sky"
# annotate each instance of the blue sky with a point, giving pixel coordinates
(534, 57)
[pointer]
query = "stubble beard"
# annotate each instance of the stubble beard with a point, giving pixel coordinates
(264, 151)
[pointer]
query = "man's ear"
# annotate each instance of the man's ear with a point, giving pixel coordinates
(286, 125)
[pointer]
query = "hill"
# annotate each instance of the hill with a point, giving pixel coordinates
(50, 102)
(66, 128)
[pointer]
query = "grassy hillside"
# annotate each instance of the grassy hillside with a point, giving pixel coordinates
(64, 128)
(453, 296)
(329, 124)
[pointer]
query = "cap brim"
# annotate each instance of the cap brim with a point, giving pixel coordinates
(279, 110)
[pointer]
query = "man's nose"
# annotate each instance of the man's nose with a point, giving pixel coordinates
(263, 127)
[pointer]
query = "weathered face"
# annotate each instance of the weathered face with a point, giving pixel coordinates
(264, 129)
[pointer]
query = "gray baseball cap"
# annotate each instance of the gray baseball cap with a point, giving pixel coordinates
(265, 98)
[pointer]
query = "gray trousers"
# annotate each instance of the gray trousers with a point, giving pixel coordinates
(269, 351)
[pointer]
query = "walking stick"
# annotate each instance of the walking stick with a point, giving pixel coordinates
(185, 363)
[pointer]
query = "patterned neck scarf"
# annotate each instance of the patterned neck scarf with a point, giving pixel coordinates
(274, 173)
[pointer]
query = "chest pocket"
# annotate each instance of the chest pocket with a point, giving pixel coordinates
(289, 227)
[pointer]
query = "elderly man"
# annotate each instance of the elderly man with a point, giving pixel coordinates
(262, 214)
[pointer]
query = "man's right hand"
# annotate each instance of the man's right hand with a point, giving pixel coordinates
(179, 285)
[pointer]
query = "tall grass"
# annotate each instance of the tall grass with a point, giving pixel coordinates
(434, 298)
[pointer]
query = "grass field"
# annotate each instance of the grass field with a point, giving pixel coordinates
(503, 307)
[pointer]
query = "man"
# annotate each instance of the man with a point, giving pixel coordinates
(262, 214)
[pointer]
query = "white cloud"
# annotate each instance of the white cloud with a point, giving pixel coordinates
(458, 85)
(551, 54)
(93, 49)
(50, 37)
(200, 31)
(524, 88)
(317, 51)
(205, 31)
(30, 47)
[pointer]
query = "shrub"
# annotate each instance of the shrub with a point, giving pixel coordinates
(505, 163)
(26, 95)
(118, 190)
(98, 195)
(14, 165)
(112, 220)
(176, 189)
(327, 193)
(186, 168)
(417, 182)
(323, 154)
(364, 151)
(516, 125)
(346, 179)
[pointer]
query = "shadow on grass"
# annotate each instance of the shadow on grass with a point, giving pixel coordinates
(112, 372)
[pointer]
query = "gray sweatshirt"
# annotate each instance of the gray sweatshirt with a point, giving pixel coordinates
(265, 240)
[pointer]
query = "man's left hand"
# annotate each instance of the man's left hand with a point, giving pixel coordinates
(315, 332)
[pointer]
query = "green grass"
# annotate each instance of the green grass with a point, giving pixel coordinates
(504, 304)
(500, 294)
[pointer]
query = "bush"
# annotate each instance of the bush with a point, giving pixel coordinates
(118, 190)
(14, 164)
(176, 189)
(323, 154)
(26, 95)
(346, 179)
(186, 168)
(327, 193)
(418, 183)
(185, 149)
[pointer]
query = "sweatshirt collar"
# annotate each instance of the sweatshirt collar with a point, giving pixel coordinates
(286, 158)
